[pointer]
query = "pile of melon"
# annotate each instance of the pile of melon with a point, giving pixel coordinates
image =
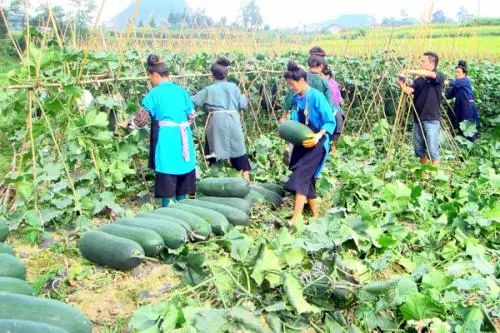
(222, 203)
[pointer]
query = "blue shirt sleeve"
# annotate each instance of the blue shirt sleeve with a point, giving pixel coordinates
(460, 83)
(188, 103)
(326, 114)
(451, 93)
(149, 104)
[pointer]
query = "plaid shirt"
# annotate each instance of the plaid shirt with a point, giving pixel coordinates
(140, 119)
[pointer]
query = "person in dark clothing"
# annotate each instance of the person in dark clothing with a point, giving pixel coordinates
(465, 107)
(427, 92)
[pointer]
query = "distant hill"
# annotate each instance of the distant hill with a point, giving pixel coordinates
(356, 20)
(157, 9)
(343, 22)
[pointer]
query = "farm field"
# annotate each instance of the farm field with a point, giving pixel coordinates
(400, 246)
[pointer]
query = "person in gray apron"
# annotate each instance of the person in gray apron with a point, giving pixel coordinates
(223, 100)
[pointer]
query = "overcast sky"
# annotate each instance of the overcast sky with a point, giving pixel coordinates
(290, 13)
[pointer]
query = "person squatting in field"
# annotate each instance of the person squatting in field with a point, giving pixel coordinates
(427, 92)
(223, 100)
(311, 108)
(465, 107)
(170, 111)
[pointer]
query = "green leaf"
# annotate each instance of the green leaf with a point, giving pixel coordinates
(386, 241)
(239, 245)
(222, 280)
(106, 199)
(295, 294)
(293, 256)
(404, 288)
(210, 321)
(170, 318)
(96, 119)
(472, 322)
(437, 280)
(147, 317)
(267, 267)
(476, 252)
(470, 283)
(419, 306)
(438, 326)
(279, 306)
(247, 320)
(62, 203)
(468, 128)
(193, 271)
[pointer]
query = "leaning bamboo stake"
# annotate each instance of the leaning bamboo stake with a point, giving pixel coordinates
(9, 33)
(54, 24)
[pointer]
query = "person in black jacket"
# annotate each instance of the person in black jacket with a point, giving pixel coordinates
(427, 92)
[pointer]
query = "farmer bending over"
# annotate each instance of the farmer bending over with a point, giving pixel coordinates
(171, 152)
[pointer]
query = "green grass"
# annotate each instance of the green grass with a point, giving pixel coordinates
(461, 47)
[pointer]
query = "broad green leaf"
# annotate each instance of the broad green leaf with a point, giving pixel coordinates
(470, 283)
(222, 280)
(106, 199)
(469, 128)
(210, 321)
(419, 306)
(404, 288)
(267, 267)
(238, 244)
(147, 317)
(170, 318)
(279, 306)
(293, 256)
(437, 280)
(96, 119)
(476, 252)
(472, 322)
(438, 326)
(295, 294)
(382, 321)
(246, 320)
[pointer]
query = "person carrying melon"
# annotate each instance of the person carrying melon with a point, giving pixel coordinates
(315, 79)
(223, 100)
(171, 155)
(312, 109)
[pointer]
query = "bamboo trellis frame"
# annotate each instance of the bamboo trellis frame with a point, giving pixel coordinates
(223, 40)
